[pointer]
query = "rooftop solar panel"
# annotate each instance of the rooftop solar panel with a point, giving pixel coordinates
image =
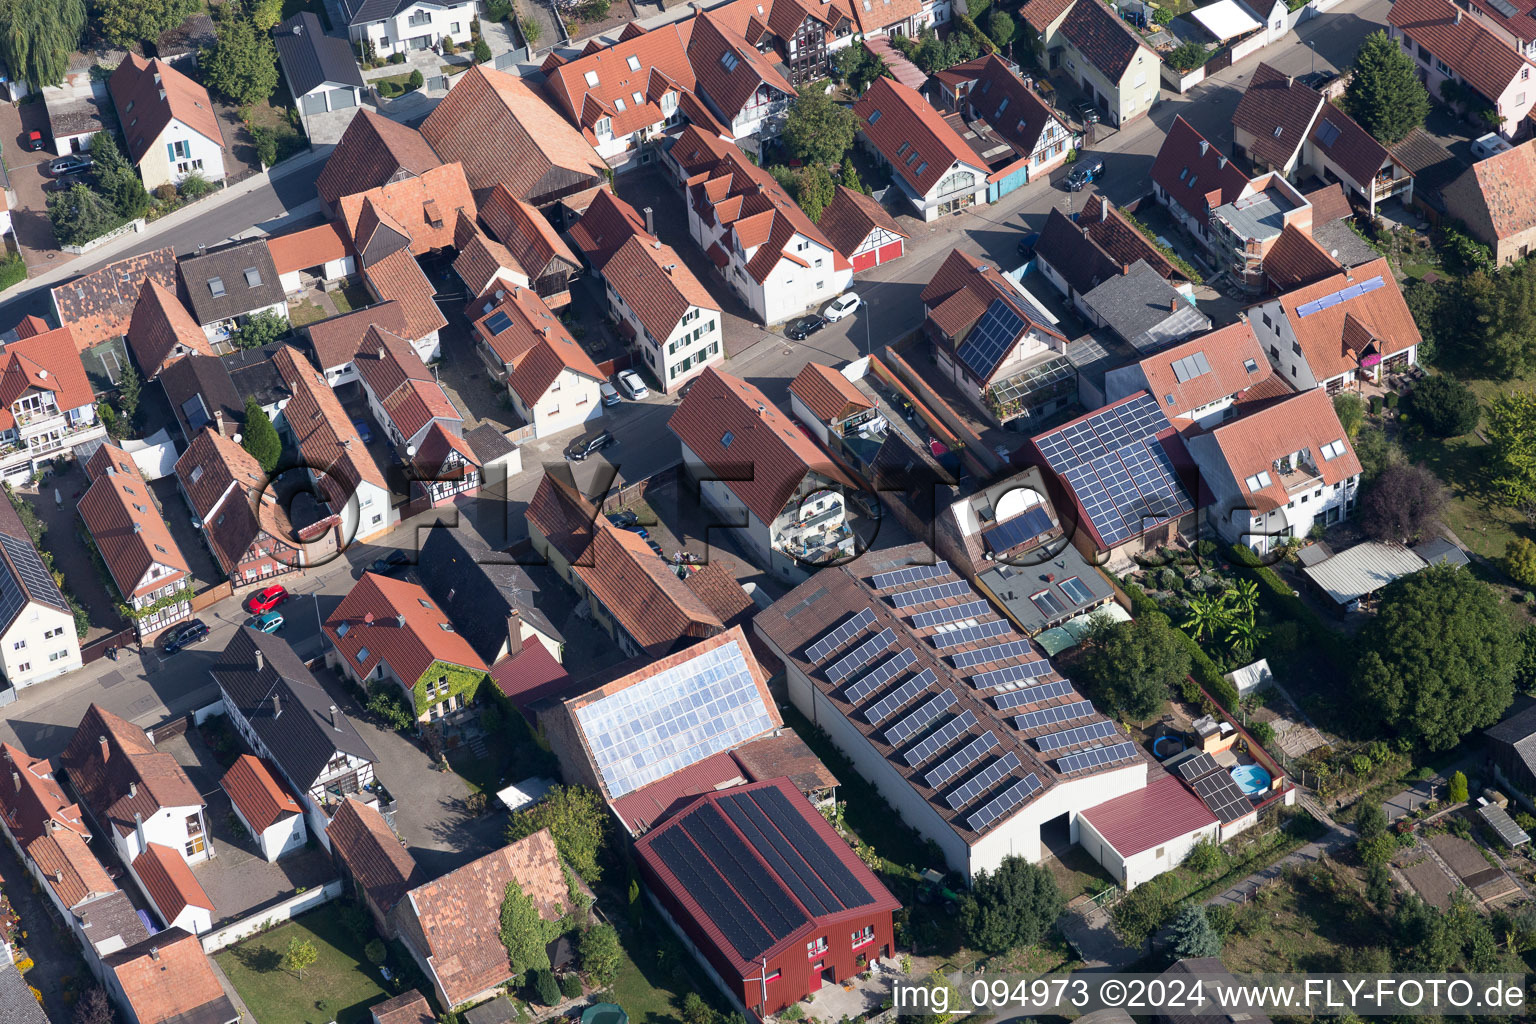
(1009, 534)
(1011, 674)
(970, 634)
(954, 613)
(34, 574)
(729, 855)
(982, 781)
(927, 595)
(1096, 757)
(887, 705)
(1072, 737)
(907, 726)
(992, 337)
(910, 575)
(1225, 798)
(884, 673)
(1200, 765)
(805, 839)
(736, 922)
(960, 760)
(1004, 802)
(984, 655)
(1032, 694)
(942, 737)
(818, 652)
(1053, 715)
(771, 845)
(862, 655)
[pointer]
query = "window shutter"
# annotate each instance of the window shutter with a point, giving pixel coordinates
(170, 151)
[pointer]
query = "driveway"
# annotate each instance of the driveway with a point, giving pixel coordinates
(28, 174)
(70, 555)
(189, 539)
(52, 949)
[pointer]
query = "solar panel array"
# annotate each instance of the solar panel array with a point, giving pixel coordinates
(1221, 793)
(902, 660)
(1097, 757)
(970, 634)
(1011, 674)
(1190, 367)
(736, 922)
(1072, 737)
(12, 597)
(927, 711)
(960, 760)
(1004, 802)
(911, 574)
(795, 852)
(1505, 8)
(983, 780)
(997, 652)
(818, 652)
(1117, 468)
(927, 595)
(862, 655)
(1195, 767)
(1354, 291)
(1032, 695)
(34, 575)
(942, 737)
(1010, 534)
(991, 339)
(955, 612)
(1054, 715)
(887, 705)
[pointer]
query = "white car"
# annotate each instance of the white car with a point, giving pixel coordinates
(631, 384)
(842, 306)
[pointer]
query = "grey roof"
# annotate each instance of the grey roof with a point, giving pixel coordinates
(16, 1003)
(112, 917)
(1258, 216)
(360, 12)
(1210, 1012)
(1362, 569)
(488, 443)
(1441, 550)
(306, 733)
(197, 386)
(496, 1011)
(254, 375)
(78, 115)
(310, 58)
(226, 268)
(1517, 726)
(1098, 352)
(1145, 309)
(1015, 585)
(1339, 240)
(478, 587)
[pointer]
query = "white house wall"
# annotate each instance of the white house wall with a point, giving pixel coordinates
(1144, 866)
(40, 657)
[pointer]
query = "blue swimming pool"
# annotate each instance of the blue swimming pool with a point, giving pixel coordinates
(1251, 779)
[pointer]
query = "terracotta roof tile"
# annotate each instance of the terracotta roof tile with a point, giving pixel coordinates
(1104, 40)
(527, 234)
(1278, 111)
(482, 261)
(253, 789)
(1121, 241)
(35, 798)
(369, 620)
(1480, 58)
(1296, 259)
(651, 64)
(69, 867)
(1070, 250)
(1329, 204)
(1250, 444)
(373, 151)
(120, 514)
(851, 217)
(728, 70)
(169, 882)
(378, 863)
(1011, 107)
(965, 288)
(1321, 333)
(827, 393)
(437, 445)
(398, 278)
(400, 382)
(656, 285)
(43, 362)
(535, 344)
(607, 224)
(335, 341)
(1352, 148)
(308, 247)
(1194, 173)
(785, 756)
(875, 15)
(407, 1007)
(167, 978)
(1500, 191)
(1040, 13)
(162, 331)
(1228, 352)
(130, 777)
(900, 123)
(100, 304)
(425, 207)
(153, 93)
(233, 523)
(322, 430)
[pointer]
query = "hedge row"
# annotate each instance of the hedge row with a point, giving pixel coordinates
(982, 39)
(1202, 668)
(1285, 606)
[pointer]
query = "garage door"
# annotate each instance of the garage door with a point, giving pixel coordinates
(341, 99)
(314, 103)
(865, 260)
(889, 252)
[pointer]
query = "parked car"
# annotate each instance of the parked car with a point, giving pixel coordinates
(70, 164)
(623, 519)
(1085, 171)
(1086, 112)
(389, 563)
(584, 447)
(34, 141)
(688, 384)
(609, 392)
(1027, 246)
(364, 431)
(267, 599)
(631, 384)
(799, 330)
(182, 636)
(267, 622)
(842, 306)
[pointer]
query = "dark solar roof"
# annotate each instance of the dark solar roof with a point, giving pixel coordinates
(23, 576)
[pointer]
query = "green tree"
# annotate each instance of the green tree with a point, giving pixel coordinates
(416, 79)
(1208, 615)
(1187, 56)
(126, 22)
(128, 389)
(1376, 850)
(576, 818)
(1191, 934)
(300, 955)
(80, 214)
(1370, 820)
(261, 329)
(600, 954)
(1443, 406)
(375, 952)
(38, 37)
(695, 1010)
(818, 131)
(1001, 28)
(1204, 857)
(259, 436)
(1351, 412)
(1375, 451)
(851, 180)
(1525, 665)
(482, 51)
(1520, 560)
(815, 191)
(117, 179)
(1132, 665)
(524, 933)
(1404, 504)
(242, 63)
(265, 14)
(1512, 438)
(858, 68)
(1457, 791)
(1385, 94)
(1438, 657)
(1162, 16)
(546, 987)
(1011, 907)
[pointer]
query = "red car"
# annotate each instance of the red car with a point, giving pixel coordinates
(266, 600)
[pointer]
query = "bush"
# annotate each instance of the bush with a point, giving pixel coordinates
(13, 270)
(1520, 562)
(1390, 400)
(1187, 56)
(498, 10)
(165, 192)
(194, 186)
(1375, 405)
(417, 80)
(265, 141)
(545, 987)
(1443, 406)
(482, 51)
(1458, 788)
(386, 701)
(570, 986)
(600, 953)
(375, 952)
(397, 58)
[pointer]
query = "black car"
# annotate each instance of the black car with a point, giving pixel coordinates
(1083, 173)
(623, 519)
(682, 392)
(585, 447)
(185, 635)
(806, 326)
(1027, 246)
(389, 563)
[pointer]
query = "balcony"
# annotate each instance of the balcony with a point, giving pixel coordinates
(32, 421)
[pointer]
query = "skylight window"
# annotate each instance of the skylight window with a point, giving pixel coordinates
(252, 277)
(591, 77)
(343, 629)
(729, 60)
(726, 439)
(361, 655)
(1333, 450)
(901, 150)
(1250, 366)
(874, 115)
(1278, 130)
(216, 286)
(424, 602)
(636, 98)
(921, 167)
(1184, 174)
(1003, 105)
(618, 104)
(633, 62)
(1259, 480)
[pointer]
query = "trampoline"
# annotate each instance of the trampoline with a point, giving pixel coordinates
(1251, 779)
(604, 1013)
(1165, 747)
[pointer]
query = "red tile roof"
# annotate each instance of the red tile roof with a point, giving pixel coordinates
(425, 207)
(162, 331)
(1104, 40)
(376, 860)
(335, 341)
(505, 134)
(527, 234)
(1009, 106)
(657, 286)
(1278, 111)
(1500, 191)
(398, 278)
(647, 806)
(1480, 58)
(592, 86)
(1227, 352)
(255, 791)
(530, 675)
(1250, 444)
(437, 445)
(1522, 23)
(1194, 173)
(395, 622)
(914, 137)
(120, 514)
(851, 218)
(233, 522)
(1329, 204)
(70, 867)
(373, 150)
(1296, 259)
(1153, 816)
(169, 882)
(128, 777)
(1322, 334)
(1120, 240)
(875, 15)
(407, 1007)
(323, 431)
(35, 798)
(401, 383)
(47, 362)
(482, 261)
(100, 304)
(607, 224)
(710, 51)
(536, 345)
(827, 393)
(1040, 13)
(149, 94)
(1352, 148)
(167, 976)
(308, 247)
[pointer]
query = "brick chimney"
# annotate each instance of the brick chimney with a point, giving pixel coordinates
(102, 741)
(133, 789)
(277, 707)
(218, 420)
(514, 633)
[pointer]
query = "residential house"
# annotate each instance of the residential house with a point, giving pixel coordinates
(226, 287)
(38, 640)
(419, 213)
(551, 379)
(212, 390)
(16, 994)
(126, 529)
(316, 256)
(1102, 55)
(290, 722)
(1296, 258)
(505, 134)
(753, 465)
(861, 231)
(167, 979)
(372, 859)
(799, 35)
(399, 278)
(334, 342)
(486, 267)
(496, 456)
(989, 91)
(1274, 120)
(162, 331)
(445, 466)
(676, 325)
(168, 121)
(410, 1007)
(933, 166)
(134, 794)
(244, 524)
(47, 408)
(388, 630)
(998, 346)
(605, 225)
(268, 811)
(1143, 310)
(99, 915)
(835, 915)
(1339, 149)
(1496, 200)
(1191, 178)
(321, 70)
(455, 942)
(742, 88)
(1201, 382)
(1449, 44)
(768, 250)
(34, 804)
(1137, 836)
(827, 403)
(1507, 21)
(634, 595)
(1338, 331)
(1244, 230)
(403, 395)
(341, 469)
(385, 27)
(99, 306)
(533, 242)
(1077, 254)
(528, 677)
(373, 151)
(1278, 471)
(172, 890)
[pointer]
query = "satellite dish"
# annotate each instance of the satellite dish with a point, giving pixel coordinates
(410, 451)
(236, 439)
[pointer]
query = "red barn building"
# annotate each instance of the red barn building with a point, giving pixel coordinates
(771, 898)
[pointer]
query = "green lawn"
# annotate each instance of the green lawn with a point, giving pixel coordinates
(305, 312)
(339, 987)
(351, 296)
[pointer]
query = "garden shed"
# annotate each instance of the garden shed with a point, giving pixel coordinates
(1361, 571)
